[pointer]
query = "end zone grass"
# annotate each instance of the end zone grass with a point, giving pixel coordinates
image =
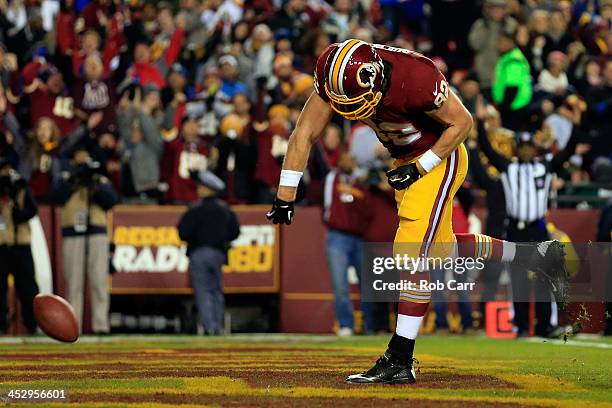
(308, 371)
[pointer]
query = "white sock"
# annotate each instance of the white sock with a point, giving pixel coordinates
(408, 326)
(508, 251)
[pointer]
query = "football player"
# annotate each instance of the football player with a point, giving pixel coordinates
(403, 97)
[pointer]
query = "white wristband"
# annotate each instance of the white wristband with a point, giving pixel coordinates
(290, 178)
(429, 160)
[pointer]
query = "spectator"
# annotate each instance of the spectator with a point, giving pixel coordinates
(483, 38)
(151, 67)
(553, 80)
(261, 48)
(26, 42)
(290, 19)
(342, 21)
(512, 90)
(322, 160)
(599, 101)
(236, 163)
(469, 89)
(558, 37)
(292, 85)
(42, 152)
(201, 55)
(94, 93)
(90, 46)
(85, 197)
(16, 208)
(563, 120)
(271, 138)
(185, 155)
(230, 85)
(208, 228)
(140, 147)
(48, 95)
(346, 214)
(177, 90)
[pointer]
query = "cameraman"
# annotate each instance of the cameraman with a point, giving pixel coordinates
(16, 208)
(85, 195)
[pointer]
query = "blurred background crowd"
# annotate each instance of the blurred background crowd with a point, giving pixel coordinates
(156, 91)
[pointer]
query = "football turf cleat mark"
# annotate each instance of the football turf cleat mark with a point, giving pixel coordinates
(387, 370)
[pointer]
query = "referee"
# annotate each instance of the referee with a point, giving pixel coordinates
(526, 183)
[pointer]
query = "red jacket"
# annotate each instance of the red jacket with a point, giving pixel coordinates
(65, 35)
(150, 72)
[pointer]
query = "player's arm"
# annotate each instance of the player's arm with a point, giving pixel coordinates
(457, 121)
(311, 123)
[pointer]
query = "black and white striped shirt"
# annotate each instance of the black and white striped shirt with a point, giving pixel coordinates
(526, 188)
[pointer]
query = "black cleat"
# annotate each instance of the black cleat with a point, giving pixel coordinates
(387, 370)
(548, 261)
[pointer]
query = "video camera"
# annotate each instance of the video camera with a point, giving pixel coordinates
(86, 173)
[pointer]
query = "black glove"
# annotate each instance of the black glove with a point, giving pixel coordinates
(281, 212)
(403, 176)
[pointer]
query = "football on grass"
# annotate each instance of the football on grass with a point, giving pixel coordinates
(56, 318)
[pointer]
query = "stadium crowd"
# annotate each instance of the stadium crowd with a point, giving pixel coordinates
(156, 91)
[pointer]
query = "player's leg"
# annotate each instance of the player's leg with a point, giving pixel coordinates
(545, 258)
(425, 213)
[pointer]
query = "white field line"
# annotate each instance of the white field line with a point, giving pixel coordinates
(568, 342)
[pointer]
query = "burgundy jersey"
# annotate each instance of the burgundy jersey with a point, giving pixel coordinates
(346, 206)
(94, 96)
(43, 103)
(179, 161)
(271, 148)
(414, 86)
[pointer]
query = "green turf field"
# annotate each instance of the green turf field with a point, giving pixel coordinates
(307, 371)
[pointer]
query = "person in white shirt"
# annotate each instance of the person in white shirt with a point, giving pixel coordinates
(553, 79)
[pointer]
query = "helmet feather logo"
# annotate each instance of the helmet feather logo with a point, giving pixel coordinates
(366, 74)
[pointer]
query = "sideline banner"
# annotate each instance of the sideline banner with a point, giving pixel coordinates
(150, 258)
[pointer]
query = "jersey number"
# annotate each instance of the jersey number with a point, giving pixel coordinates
(399, 134)
(191, 161)
(63, 107)
(442, 94)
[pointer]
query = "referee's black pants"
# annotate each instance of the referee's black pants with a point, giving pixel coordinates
(522, 286)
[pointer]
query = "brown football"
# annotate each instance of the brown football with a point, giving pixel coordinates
(56, 318)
